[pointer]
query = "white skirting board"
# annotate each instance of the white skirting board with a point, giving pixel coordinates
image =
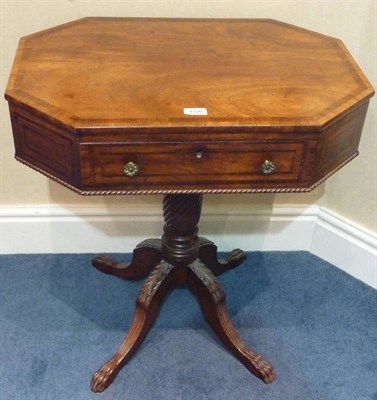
(346, 245)
(57, 229)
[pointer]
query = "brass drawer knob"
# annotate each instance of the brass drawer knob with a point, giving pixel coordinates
(268, 167)
(131, 169)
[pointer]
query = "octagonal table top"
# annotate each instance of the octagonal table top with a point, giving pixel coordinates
(147, 72)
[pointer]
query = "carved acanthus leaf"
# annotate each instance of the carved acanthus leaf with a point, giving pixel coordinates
(152, 283)
(209, 280)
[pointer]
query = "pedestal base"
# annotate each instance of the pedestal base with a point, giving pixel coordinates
(177, 260)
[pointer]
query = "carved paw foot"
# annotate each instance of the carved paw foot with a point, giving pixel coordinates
(104, 263)
(105, 376)
(261, 368)
(208, 255)
(235, 257)
(145, 257)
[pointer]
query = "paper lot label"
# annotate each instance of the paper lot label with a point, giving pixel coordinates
(195, 111)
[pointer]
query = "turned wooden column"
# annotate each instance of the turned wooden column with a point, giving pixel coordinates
(180, 242)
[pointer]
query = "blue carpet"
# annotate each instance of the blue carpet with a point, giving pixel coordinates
(60, 319)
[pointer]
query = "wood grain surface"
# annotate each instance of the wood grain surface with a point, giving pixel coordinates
(144, 72)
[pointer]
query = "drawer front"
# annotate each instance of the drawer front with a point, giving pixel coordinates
(198, 164)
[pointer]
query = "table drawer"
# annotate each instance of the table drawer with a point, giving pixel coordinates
(227, 164)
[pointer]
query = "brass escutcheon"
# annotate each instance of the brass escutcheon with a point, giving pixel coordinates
(131, 169)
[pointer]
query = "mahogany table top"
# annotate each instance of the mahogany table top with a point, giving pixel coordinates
(144, 72)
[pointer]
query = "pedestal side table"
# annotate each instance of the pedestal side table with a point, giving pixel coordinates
(184, 107)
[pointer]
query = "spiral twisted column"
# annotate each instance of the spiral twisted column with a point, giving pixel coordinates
(180, 241)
